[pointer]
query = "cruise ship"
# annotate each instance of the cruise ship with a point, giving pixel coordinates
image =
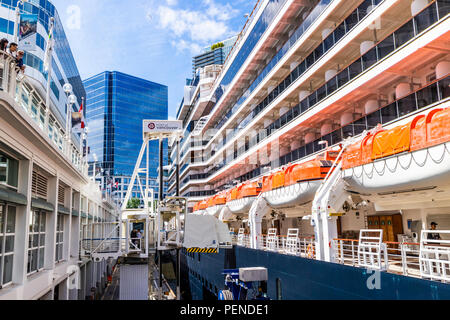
(51, 210)
(324, 144)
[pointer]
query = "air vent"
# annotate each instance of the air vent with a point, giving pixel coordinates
(61, 192)
(39, 186)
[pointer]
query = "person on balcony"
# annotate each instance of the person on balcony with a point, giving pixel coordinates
(4, 44)
(434, 236)
(19, 60)
(13, 49)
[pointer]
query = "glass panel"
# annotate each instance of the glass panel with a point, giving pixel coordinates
(385, 47)
(427, 96)
(355, 69)
(370, 58)
(360, 126)
(373, 119)
(426, 18)
(11, 220)
(34, 259)
(1, 246)
(407, 105)
(389, 113)
(41, 258)
(404, 34)
(42, 240)
(347, 131)
(2, 208)
(444, 87)
(9, 244)
(43, 221)
(342, 78)
(8, 268)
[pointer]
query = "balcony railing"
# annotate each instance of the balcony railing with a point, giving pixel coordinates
(436, 91)
(18, 86)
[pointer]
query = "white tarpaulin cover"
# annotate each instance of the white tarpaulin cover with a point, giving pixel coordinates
(205, 232)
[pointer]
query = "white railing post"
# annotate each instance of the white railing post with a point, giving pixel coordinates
(342, 251)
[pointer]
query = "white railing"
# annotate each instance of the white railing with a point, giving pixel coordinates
(101, 238)
(19, 87)
(428, 259)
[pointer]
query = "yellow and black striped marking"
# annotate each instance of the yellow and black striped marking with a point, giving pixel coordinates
(198, 250)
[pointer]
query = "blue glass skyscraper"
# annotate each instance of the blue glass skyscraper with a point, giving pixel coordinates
(117, 104)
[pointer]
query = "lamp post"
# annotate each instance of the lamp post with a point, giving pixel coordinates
(71, 100)
(17, 20)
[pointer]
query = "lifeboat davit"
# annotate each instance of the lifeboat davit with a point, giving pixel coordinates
(241, 198)
(216, 204)
(406, 158)
(297, 184)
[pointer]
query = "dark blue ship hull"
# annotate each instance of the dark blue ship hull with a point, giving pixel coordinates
(295, 278)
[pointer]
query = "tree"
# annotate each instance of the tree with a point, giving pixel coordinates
(217, 45)
(134, 203)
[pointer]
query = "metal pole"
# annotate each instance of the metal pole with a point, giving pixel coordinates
(178, 275)
(17, 21)
(178, 168)
(161, 173)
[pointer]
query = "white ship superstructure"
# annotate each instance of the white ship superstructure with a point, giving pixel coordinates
(328, 118)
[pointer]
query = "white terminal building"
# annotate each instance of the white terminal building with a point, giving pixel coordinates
(47, 199)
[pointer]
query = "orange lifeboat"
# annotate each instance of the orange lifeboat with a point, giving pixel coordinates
(412, 156)
(297, 184)
(216, 203)
(241, 198)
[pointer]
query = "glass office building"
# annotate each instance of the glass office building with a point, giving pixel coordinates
(64, 68)
(117, 104)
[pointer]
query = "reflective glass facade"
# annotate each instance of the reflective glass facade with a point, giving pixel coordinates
(117, 104)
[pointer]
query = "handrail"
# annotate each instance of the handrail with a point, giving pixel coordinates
(109, 237)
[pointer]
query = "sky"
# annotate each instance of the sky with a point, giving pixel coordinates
(150, 39)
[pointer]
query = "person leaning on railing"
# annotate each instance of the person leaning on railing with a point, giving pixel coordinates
(19, 61)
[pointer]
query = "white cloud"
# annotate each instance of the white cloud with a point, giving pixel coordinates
(172, 2)
(193, 29)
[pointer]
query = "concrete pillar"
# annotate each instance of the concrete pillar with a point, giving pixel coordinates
(63, 292)
(22, 222)
(294, 65)
(329, 74)
(50, 224)
(303, 94)
(310, 137)
(371, 106)
(346, 119)
(75, 227)
(267, 122)
(417, 6)
(402, 90)
(366, 46)
(442, 69)
(270, 89)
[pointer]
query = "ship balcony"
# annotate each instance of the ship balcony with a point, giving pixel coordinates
(337, 50)
(388, 70)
